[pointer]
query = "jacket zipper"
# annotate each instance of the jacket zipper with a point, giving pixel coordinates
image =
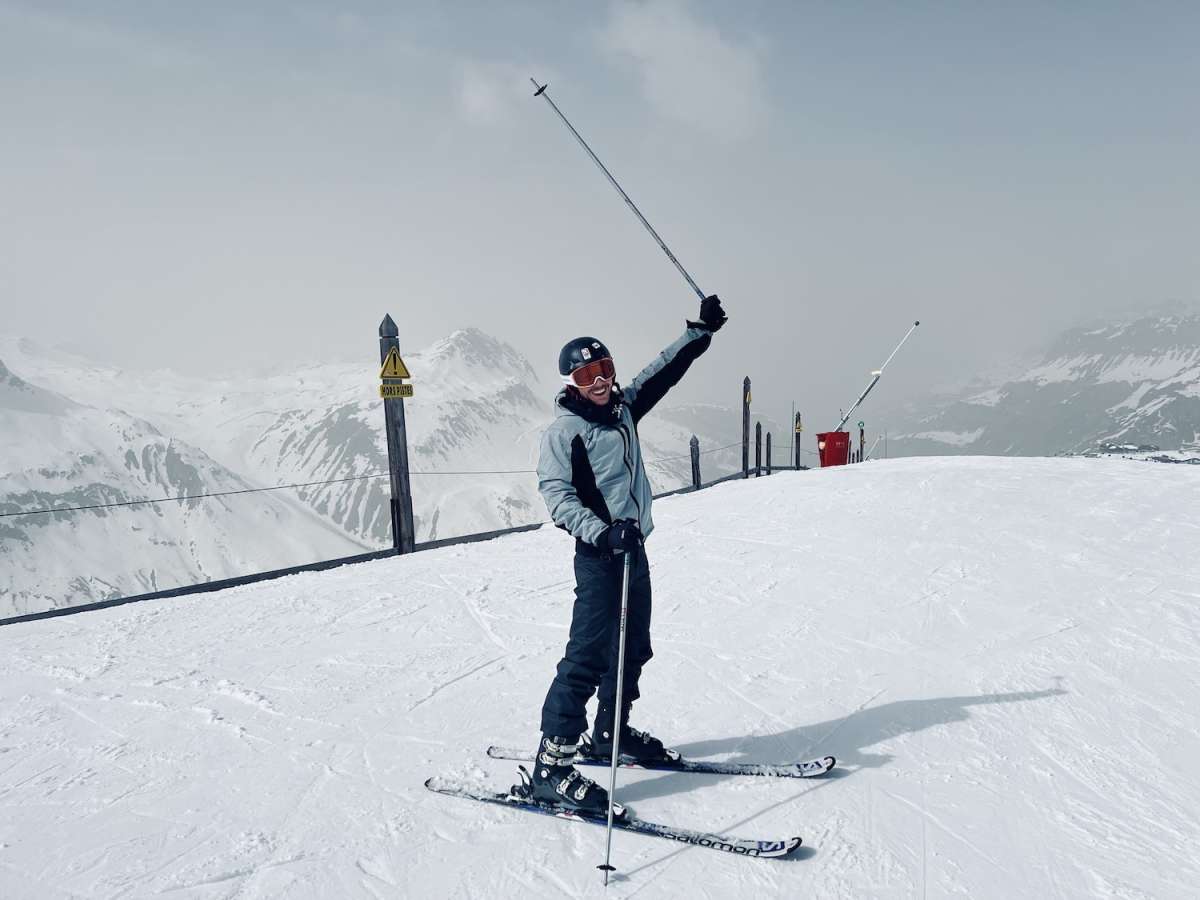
(628, 442)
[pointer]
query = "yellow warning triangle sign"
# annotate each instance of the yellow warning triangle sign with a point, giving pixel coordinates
(393, 366)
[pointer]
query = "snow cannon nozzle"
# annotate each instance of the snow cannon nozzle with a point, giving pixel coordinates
(916, 323)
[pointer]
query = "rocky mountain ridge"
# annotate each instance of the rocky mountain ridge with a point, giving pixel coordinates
(1135, 382)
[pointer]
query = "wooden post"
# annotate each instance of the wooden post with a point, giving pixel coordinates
(694, 444)
(746, 427)
(799, 431)
(403, 531)
(757, 449)
(793, 436)
(768, 453)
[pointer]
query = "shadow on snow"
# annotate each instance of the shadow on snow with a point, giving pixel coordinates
(846, 738)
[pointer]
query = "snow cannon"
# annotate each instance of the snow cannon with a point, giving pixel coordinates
(875, 376)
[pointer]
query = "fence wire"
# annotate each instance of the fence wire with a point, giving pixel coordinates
(304, 484)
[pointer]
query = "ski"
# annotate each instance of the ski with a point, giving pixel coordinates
(676, 763)
(518, 798)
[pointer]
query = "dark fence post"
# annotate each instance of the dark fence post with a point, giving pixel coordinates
(746, 427)
(694, 444)
(403, 532)
(799, 431)
(757, 449)
(768, 453)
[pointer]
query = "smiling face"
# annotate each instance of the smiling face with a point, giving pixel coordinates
(599, 392)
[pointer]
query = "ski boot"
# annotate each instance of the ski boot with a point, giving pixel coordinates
(635, 746)
(556, 781)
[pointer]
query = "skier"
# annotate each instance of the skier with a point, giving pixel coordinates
(591, 476)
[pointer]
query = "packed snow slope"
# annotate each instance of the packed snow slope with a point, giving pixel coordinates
(1002, 653)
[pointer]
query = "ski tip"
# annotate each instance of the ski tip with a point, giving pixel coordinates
(779, 849)
(825, 765)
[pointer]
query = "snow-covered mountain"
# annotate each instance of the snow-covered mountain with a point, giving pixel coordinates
(58, 452)
(1000, 652)
(473, 425)
(1132, 383)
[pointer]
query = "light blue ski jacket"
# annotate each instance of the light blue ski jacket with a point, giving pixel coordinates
(590, 470)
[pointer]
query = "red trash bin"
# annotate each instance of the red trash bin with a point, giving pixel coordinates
(833, 447)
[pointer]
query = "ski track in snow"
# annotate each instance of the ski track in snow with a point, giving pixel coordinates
(1001, 653)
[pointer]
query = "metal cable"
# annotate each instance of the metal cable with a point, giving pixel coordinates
(688, 455)
(303, 484)
(278, 487)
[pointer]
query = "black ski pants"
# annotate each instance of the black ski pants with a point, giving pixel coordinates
(590, 660)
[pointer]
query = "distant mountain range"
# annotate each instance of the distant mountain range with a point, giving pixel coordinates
(80, 434)
(1133, 383)
(59, 452)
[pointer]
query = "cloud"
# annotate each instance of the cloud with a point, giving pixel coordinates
(89, 32)
(690, 70)
(488, 90)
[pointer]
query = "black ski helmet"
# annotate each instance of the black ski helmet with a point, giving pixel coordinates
(580, 352)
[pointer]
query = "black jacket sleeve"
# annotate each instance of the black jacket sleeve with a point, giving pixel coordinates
(653, 382)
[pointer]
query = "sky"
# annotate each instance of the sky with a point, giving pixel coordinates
(213, 187)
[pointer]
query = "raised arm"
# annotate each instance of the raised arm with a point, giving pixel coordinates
(652, 383)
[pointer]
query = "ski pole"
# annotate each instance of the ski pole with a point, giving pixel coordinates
(541, 92)
(875, 376)
(618, 708)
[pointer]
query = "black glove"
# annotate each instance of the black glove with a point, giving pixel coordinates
(622, 535)
(712, 316)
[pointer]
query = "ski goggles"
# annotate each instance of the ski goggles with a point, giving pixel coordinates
(585, 376)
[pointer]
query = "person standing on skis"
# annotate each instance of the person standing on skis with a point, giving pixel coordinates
(590, 474)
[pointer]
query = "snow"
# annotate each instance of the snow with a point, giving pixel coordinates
(1062, 369)
(1134, 400)
(1167, 367)
(953, 438)
(1171, 367)
(1147, 453)
(991, 397)
(1001, 652)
